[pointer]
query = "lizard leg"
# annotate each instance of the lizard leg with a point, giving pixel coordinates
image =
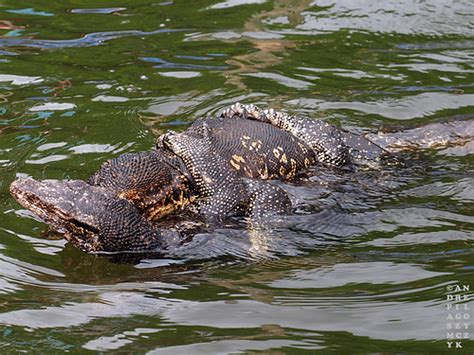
(267, 204)
(266, 200)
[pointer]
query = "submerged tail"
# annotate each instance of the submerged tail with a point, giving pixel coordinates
(431, 136)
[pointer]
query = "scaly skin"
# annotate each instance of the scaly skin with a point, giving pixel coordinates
(93, 219)
(331, 146)
(324, 139)
(206, 166)
(431, 136)
(222, 191)
(254, 149)
(156, 182)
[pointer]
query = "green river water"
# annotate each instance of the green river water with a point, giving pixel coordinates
(368, 262)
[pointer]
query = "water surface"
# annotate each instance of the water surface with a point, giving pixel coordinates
(366, 262)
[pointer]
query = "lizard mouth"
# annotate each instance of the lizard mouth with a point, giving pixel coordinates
(32, 194)
(53, 202)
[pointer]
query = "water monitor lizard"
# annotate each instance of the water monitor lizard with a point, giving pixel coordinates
(215, 167)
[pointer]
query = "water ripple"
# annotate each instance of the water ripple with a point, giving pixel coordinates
(423, 238)
(342, 274)
(20, 79)
(405, 108)
(394, 16)
(163, 64)
(90, 39)
(355, 318)
(30, 11)
(102, 10)
(281, 79)
(233, 3)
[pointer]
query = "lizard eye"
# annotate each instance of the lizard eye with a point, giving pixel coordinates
(163, 141)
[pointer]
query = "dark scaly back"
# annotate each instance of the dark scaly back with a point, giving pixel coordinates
(220, 188)
(155, 182)
(325, 140)
(255, 149)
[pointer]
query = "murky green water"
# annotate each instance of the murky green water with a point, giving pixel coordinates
(367, 262)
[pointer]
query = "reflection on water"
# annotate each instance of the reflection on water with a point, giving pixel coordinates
(90, 39)
(365, 261)
(416, 106)
(413, 17)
